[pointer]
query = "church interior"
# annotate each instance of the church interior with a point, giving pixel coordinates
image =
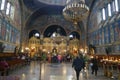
(40, 38)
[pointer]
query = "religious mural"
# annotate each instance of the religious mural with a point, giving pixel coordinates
(104, 33)
(17, 13)
(111, 34)
(52, 19)
(100, 36)
(117, 33)
(10, 32)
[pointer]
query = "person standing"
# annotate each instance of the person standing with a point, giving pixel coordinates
(78, 64)
(16, 50)
(94, 66)
(4, 66)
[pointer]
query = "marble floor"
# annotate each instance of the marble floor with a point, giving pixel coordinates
(48, 71)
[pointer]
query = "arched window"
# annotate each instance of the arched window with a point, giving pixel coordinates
(113, 7)
(103, 14)
(109, 10)
(12, 9)
(2, 5)
(8, 9)
(116, 6)
(37, 34)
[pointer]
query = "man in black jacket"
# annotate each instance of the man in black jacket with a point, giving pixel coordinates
(94, 66)
(78, 64)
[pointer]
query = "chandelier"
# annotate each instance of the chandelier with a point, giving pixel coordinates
(75, 10)
(57, 38)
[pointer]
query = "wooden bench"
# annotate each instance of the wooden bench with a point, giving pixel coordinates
(12, 61)
(15, 63)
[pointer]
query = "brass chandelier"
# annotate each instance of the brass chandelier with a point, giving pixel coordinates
(75, 11)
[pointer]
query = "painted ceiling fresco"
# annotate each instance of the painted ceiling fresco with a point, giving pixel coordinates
(34, 4)
(40, 8)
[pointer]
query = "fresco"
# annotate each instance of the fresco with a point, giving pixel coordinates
(9, 31)
(17, 17)
(105, 33)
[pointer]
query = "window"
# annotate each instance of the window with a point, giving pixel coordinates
(8, 9)
(37, 34)
(12, 9)
(0, 2)
(109, 10)
(103, 14)
(67, 1)
(2, 5)
(119, 4)
(99, 18)
(116, 6)
(113, 7)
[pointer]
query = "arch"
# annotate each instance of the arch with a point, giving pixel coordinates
(28, 31)
(75, 34)
(56, 23)
(54, 28)
(47, 10)
(33, 32)
(75, 31)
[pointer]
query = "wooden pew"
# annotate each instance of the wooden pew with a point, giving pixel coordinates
(12, 61)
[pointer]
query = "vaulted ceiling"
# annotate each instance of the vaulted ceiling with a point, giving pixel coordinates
(48, 7)
(34, 4)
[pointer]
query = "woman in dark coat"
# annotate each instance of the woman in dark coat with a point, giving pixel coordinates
(78, 64)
